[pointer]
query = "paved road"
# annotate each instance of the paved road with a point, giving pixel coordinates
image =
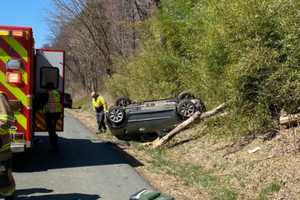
(84, 169)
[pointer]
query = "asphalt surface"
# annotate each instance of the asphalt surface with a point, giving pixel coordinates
(84, 169)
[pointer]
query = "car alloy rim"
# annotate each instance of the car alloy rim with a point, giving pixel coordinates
(188, 109)
(116, 115)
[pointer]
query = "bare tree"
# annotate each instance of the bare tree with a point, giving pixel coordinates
(93, 32)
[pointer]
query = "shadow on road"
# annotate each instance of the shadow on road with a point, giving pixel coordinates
(72, 153)
(34, 194)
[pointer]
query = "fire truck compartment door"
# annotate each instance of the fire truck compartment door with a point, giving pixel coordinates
(49, 69)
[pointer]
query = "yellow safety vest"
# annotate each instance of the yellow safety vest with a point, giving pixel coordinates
(53, 105)
(99, 102)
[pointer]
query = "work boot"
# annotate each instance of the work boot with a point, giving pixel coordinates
(12, 197)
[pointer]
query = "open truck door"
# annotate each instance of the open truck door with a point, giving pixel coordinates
(49, 69)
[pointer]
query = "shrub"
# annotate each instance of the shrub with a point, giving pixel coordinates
(242, 52)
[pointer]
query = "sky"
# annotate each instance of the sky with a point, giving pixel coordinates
(32, 13)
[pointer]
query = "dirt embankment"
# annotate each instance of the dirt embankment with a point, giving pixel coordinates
(198, 166)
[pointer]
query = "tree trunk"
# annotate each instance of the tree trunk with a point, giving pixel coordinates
(159, 142)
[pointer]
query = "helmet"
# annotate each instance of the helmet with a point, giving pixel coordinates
(93, 94)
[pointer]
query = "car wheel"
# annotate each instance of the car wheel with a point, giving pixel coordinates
(186, 108)
(123, 101)
(185, 95)
(124, 137)
(116, 116)
(200, 106)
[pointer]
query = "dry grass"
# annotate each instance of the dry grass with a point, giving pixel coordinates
(275, 164)
(198, 167)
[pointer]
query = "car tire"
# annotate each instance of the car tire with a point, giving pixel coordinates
(185, 95)
(124, 137)
(116, 117)
(123, 101)
(201, 106)
(186, 108)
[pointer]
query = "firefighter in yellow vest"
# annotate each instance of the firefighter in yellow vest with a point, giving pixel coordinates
(100, 108)
(7, 183)
(53, 111)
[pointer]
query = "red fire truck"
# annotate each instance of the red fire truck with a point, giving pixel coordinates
(24, 74)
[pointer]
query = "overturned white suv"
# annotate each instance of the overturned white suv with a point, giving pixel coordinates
(129, 120)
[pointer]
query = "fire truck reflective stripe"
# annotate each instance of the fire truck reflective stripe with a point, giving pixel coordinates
(40, 120)
(40, 123)
(17, 92)
(5, 58)
(21, 119)
(25, 77)
(39, 115)
(5, 147)
(15, 45)
(3, 32)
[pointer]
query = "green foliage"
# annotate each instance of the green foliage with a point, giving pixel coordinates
(242, 52)
(268, 190)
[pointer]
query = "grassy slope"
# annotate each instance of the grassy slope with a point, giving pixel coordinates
(200, 166)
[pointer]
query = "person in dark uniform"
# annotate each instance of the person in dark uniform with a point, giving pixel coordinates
(53, 111)
(7, 182)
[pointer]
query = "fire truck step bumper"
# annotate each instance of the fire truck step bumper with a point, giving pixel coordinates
(17, 147)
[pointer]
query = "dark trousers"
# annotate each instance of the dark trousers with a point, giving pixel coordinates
(7, 182)
(51, 120)
(100, 116)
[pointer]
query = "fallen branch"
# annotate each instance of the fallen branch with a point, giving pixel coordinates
(290, 120)
(161, 141)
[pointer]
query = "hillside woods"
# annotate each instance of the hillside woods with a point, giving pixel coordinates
(243, 53)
